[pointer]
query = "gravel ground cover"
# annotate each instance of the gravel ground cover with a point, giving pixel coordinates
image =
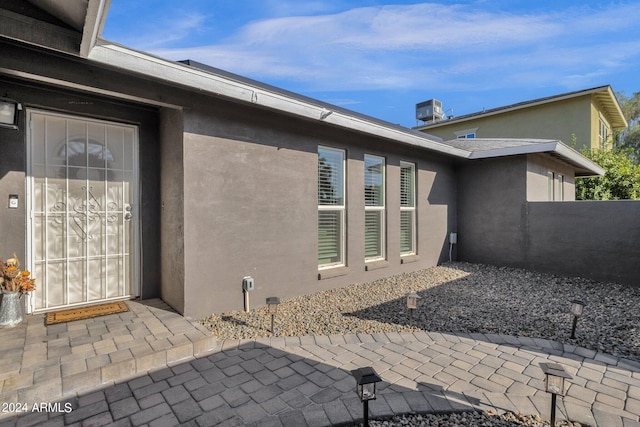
(469, 419)
(463, 298)
(458, 297)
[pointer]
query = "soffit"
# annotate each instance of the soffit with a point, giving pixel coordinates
(71, 12)
(609, 103)
(70, 26)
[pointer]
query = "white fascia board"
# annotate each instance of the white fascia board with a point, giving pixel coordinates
(512, 151)
(94, 22)
(567, 153)
(579, 159)
(183, 75)
(356, 123)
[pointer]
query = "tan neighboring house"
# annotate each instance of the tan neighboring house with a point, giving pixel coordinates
(581, 119)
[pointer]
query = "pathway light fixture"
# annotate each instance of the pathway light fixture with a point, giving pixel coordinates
(554, 384)
(272, 304)
(412, 304)
(577, 308)
(366, 379)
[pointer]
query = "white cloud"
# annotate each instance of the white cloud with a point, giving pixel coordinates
(171, 29)
(411, 46)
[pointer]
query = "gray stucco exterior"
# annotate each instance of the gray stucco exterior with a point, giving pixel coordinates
(228, 189)
(603, 238)
(250, 207)
(503, 219)
(228, 178)
(491, 195)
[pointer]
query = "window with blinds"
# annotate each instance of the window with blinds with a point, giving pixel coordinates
(374, 208)
(331, 207)
(407, 208)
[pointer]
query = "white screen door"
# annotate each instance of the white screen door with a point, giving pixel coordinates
(83, 219)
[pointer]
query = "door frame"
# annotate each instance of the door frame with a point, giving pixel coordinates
(136, 251)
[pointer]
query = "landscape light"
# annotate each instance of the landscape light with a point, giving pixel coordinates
(272, 304)
(554, 384)
(366, 379)
(412, 304)
(577, 308)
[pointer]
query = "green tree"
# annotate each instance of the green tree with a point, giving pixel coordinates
(621, 180)
(630, 137)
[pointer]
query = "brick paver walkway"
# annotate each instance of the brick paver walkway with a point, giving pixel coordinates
(307, 381)
(41, 364)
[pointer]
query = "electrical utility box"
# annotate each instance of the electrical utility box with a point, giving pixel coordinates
(248, 284)
(429, 111)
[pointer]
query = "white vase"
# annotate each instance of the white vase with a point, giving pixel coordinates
(11, 309)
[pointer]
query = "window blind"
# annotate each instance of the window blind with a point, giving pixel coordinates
(330, 177)
(407, 208)
(374, 207)
(329, 237)
(331, 207)
(407, 184)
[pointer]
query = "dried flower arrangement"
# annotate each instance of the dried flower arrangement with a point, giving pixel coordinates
(14, 280)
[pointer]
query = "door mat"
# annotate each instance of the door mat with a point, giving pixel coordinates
(88, 312)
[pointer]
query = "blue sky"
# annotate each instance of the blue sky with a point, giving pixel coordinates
(381, 57)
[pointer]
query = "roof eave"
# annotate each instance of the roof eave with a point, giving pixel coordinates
(610, 102)
(583, 167)
(175, 73)
(617, 118)
(94, 23)
(513, 151)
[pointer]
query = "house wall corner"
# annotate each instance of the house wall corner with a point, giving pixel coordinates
(172, 265)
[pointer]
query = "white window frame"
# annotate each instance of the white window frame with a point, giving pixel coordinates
(466, 133)
(559, 194)
(380, 208)
(411, 207)
(341, 209)
(555, 186)
(603, 133)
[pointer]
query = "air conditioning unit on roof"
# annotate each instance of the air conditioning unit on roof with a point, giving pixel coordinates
(429, 111)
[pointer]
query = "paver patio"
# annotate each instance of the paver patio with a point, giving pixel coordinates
(152, 366)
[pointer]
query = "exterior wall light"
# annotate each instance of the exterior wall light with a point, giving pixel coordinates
(577, 308)
(9, 113)
(366, 379)
(554, 384)
(412, 304)
(272, 304)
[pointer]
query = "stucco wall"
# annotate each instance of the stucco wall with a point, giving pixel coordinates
(171, 238)
(250, 206)
(595, 239)
(559, 120)
(538, 166)
(227, 190)
(491, 196)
